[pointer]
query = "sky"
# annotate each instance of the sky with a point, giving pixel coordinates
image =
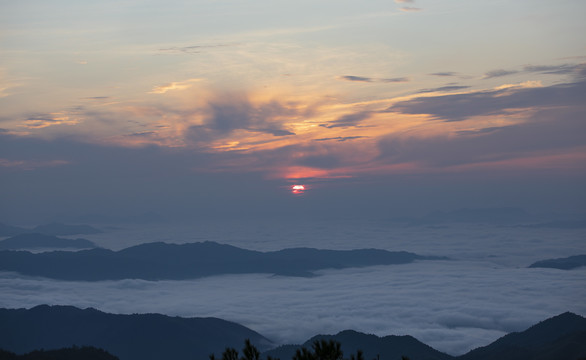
(216, 108)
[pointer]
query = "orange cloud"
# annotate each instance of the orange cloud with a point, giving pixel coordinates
(180, 85)
(39, 121)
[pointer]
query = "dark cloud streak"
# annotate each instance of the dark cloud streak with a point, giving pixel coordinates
(541, 134)
(369, 79)
(349, 120)
(341, 138)
(445, 74)
(459, 107)
(444, 88)
(499, 73)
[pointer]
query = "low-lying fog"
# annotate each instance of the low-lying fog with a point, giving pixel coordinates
(482, 293)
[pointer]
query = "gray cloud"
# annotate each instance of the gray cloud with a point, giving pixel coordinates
(356, 78)
(543, 69)
(394, 80)
(445, 88)
(235, 112)
(97, 98)
(458, 107)
(483, 131)
(369, 79)
(341, 138)
(553, 69)
(195, 49)
(445, 74)
(548, 130)
(320, 161)
(349, 120)
(141, 134)
(499, 73)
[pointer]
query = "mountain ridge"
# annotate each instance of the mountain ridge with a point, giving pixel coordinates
(134, 336)
(43, 241)
(162, 261)
(155, 336)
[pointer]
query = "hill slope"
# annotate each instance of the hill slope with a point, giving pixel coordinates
(566, 263)
(156, 261)
(38, 241)
(562, 337)
(388, 347)
(130, 337)
(73, 353)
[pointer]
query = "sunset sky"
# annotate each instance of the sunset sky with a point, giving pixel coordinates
(219, 107)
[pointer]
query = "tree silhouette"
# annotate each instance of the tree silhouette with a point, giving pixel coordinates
(359, 356)
(327, 350)
(303, 354)
(321, 350)
(250, 351)
(230, 354)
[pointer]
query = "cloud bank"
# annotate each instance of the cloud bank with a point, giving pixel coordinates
(453, 306)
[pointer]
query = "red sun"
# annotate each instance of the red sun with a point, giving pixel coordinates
(297, 189)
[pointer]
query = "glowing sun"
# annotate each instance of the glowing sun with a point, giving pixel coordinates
(297, 189)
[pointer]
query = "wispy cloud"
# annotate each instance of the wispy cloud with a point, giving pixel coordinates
(444, 88)
(553, 69)
(543, 69)
(43, 120)
(31, 164)
(98, 98)
(356, 78)
(341, 138)
(410, 9)
(499, 73)
(179, 85)
(349, 120)
(141, 134)
(458, 107)
(6, 83)
(407, 8)
(544, 130)
(370, 79)
(195, 49)
(445, 73)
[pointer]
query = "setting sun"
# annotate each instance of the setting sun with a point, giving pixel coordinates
(297, 189)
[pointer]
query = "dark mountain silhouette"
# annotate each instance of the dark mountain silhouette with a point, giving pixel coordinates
(155, 336)
(41, 241)
(157, 261)
(72, 353)
(388, 347)
(130, 337)
(60, 229)
(567, 263)
(562, 337)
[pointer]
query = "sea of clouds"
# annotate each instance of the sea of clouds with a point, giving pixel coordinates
(484, 291)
